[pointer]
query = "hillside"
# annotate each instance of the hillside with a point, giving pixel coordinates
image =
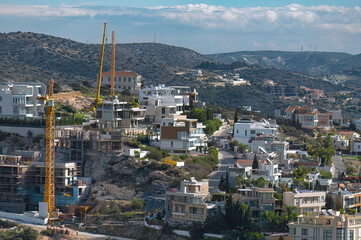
(32, 57)
(39, 57)
(313, 63)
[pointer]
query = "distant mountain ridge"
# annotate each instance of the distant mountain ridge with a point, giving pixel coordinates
(32, 56)
(308, 62)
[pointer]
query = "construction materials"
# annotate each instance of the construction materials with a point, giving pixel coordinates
(49, 188)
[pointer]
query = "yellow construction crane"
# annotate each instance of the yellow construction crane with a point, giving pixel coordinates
(112, 73)
(49, 188)
(97, 99)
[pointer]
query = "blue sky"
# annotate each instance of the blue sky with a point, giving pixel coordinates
(207, 27)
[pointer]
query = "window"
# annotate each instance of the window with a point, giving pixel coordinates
(304, 231)
(171, 144)
(245, 132)
(350, 234)
(253, 131)
(1, 109)
(292, 231)
(340, 234)
(327, 234)
(1, 98)
(328, 222)
(163, 110)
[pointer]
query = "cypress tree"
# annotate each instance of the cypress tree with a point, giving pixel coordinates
(236, 116)
(255, 162)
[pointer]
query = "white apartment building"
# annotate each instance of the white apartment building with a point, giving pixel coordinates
(115, 114)
(327, 225)
(340, 142)
(246, 130)
(305, 200)
(20, 99)
(164, 102)
(181, 134)
(123, 80)
(269, 172)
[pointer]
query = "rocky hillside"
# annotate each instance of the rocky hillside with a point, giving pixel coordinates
(313, 63)
(32, 56)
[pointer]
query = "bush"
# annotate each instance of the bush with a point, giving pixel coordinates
(128, 215)
(7, 224)
(155, 154)
(196, 231)
(325, 174)
(351, 170)
(28, 234)
(137, 204)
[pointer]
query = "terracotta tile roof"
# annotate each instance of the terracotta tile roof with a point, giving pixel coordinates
(245, 162)
(346, 132)
(249, 162)
(307, 164)
(291, 108)
(305, 108)
(122, 73)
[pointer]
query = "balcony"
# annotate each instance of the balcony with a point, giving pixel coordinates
(314, 204)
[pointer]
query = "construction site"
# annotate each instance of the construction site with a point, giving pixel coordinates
(60, 174)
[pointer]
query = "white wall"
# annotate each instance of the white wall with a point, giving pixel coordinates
(22, 217)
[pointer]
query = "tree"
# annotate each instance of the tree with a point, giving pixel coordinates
(236, 116)
(274, 221)
(255, 162)
(209, 113)
(196, 231)
(216, 222)
(240, 180)
(238, 215)
(260, 182)
(352, 126)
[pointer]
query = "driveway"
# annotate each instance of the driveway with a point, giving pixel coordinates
(338, 167)
(226, 159)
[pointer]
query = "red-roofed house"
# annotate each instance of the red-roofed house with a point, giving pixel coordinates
(290, 110)
(123, 80)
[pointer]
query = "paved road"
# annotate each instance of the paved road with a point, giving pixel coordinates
(84, 234)
(338, 166)
(225, 161)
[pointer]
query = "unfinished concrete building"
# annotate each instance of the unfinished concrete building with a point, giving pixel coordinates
(22, 184)
(68, 189)
(14, 196)
(77, 143)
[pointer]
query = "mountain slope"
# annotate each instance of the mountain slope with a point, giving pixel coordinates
(32, 56)
(313, 63)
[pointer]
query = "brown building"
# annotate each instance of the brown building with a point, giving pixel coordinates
(188, 204)
(258, 199)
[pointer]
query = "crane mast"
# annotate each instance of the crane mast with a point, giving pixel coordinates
(112, 73)
(97, 98)
(49, 187)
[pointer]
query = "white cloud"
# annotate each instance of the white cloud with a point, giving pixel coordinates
(250, 19)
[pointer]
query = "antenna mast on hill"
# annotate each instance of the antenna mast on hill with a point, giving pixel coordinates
(154, 38)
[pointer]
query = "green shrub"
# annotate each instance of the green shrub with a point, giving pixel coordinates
(326, 174)
(137, 204)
